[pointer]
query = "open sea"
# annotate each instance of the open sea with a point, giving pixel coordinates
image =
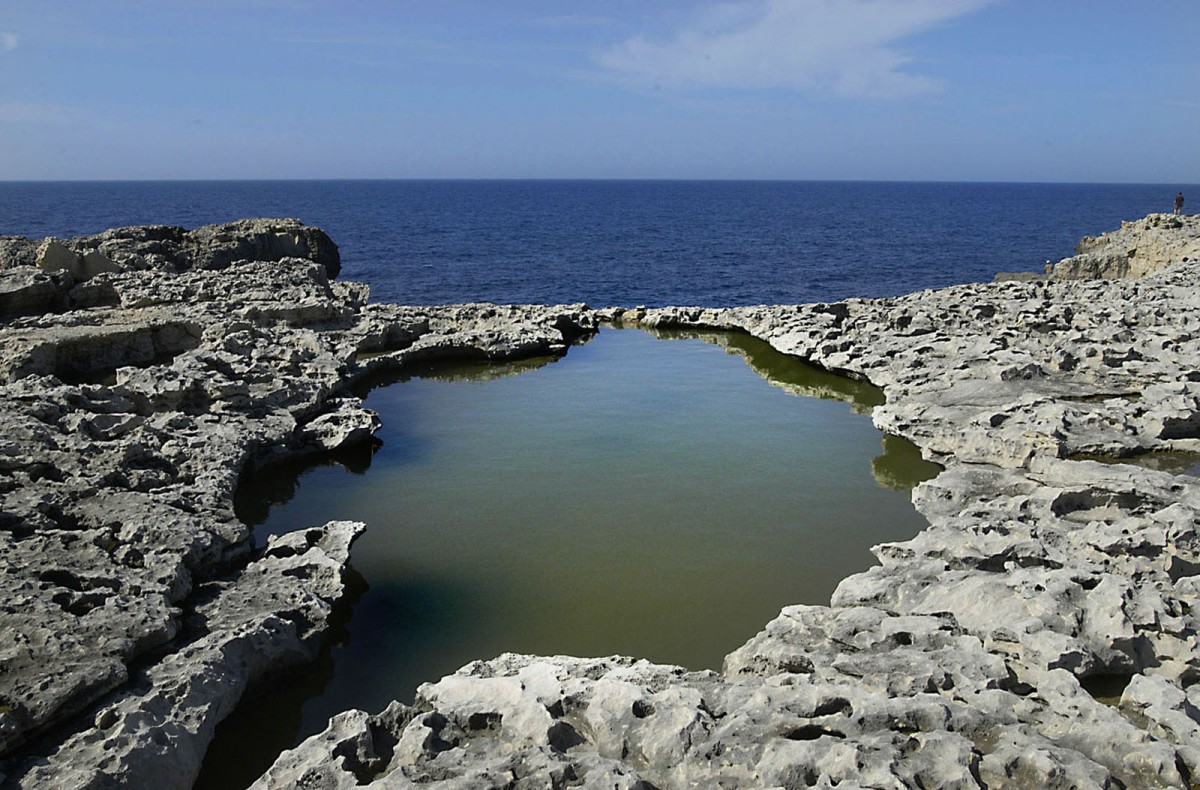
(654, 243)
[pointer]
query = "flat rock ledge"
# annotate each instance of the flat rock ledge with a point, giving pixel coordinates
(1042, 632)
(143, 371)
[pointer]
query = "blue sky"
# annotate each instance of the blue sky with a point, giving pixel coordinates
(972, 90)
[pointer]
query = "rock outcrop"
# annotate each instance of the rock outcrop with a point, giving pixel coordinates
(151, 732)
(1042, 632)
(135, 607)
(1139, 248)
(70, 265)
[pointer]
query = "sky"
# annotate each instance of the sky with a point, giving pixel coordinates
(929, 90)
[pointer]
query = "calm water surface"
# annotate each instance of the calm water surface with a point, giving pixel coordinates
(654, 497)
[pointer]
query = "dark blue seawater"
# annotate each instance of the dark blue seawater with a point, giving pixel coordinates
(714, 243)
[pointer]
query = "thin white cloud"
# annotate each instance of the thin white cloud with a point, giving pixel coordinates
(364, 42)
(33, 113)
(24, 112)
(9, 41)
(572, 20)
(840, 47)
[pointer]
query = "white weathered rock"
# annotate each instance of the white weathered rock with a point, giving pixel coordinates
(116, 495)
(266, 617)
(54, 256)
(965, 657)
(1139, 248)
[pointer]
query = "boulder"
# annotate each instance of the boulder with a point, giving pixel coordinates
(26, 290)
(53, 256)
(217, 246)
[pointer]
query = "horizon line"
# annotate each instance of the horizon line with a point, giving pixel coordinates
(525, 179)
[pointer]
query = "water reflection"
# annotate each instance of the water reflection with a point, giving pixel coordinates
(634, 497)
(786, 372)
(1173, 462)
(900, 467)
(464, 370)
(277, 482)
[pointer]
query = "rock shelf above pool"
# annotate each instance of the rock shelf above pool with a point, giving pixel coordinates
(1042, 632)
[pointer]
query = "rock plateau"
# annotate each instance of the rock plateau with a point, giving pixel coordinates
(1042, 632)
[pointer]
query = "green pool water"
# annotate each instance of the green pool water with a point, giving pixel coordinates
(658, 496)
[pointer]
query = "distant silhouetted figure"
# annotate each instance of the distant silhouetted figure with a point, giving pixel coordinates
(1178, 203)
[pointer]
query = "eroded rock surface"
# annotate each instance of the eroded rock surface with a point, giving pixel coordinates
(1042, 632)
(70, 266)
(134, 606)
(1140, 247)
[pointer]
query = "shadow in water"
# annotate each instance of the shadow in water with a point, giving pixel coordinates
(901, 467)
(786, 372)
(1172, 462)
(271, 717)
(461, 369)
(276, 482)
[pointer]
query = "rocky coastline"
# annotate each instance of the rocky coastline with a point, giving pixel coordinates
(1042, 632)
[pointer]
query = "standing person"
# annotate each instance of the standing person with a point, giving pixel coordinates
(1178, 203)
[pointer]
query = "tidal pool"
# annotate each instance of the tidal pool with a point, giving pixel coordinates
(661, 496)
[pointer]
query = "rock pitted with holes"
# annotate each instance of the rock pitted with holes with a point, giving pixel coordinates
(1042, 632)
(134, 605)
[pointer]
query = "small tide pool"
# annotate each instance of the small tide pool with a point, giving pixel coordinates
(661, 496)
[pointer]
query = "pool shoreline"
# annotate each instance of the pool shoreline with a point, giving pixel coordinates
(968, 656)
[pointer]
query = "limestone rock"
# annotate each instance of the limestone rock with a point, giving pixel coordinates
(17, 251)
(138, 607)
(262, 619)
(345, 424)
(217, 246)
(1139, 248)
(52, 256)
(984, 651)
(1040, 633)
(173, 249)
(26, 290)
